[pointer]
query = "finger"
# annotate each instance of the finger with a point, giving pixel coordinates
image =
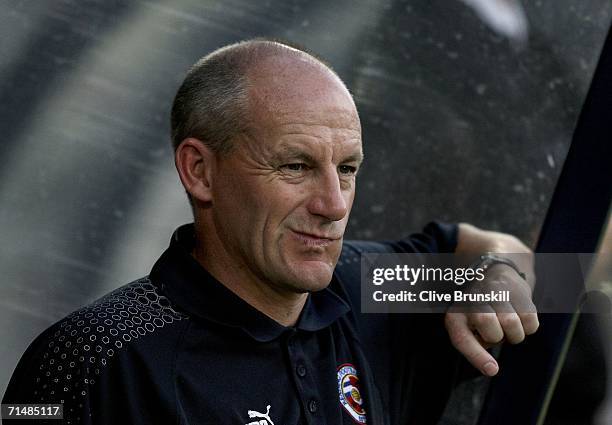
(487, 325)
(486, 344)
(466, 343)
(510, 323)
(526, 311)
(530, 322)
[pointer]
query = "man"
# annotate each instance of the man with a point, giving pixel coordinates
(246, 318)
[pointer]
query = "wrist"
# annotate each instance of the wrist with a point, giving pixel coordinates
(490, 260)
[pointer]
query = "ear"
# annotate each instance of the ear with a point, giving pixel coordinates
(195, 163)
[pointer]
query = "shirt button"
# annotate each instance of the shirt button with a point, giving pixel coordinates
(312, 406)
(301, 370)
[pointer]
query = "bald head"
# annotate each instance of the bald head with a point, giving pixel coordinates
(223, 91)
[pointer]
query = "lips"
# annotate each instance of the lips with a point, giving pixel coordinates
(315, 240)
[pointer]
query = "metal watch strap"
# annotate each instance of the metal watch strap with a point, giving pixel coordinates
(488, 260)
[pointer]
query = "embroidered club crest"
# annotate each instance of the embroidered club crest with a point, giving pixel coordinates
(349, 393)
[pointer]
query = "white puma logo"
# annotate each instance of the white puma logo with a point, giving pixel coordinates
(266, 417)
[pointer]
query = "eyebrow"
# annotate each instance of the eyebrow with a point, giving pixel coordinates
(293, 152)
(357, 157)
(299, 154)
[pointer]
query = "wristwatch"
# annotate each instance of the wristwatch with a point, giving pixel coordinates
(488, 260)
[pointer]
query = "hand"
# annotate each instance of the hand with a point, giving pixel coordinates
(473, 332)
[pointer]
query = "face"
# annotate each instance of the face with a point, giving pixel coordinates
(282, 197)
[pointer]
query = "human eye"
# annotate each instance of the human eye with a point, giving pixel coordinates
(294, 167)
(347, 170)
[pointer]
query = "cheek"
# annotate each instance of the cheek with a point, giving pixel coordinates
(235, 208)
(261, 207)
(280, 200)
(349, 198)
(350, 195)
(242, 193)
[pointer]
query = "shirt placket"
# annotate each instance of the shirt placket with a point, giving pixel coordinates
(305, 382)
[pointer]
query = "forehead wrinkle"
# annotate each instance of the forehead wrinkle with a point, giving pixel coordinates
(334, 118)
(317, 131)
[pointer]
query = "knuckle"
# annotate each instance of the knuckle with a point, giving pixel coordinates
(509, 320)
(480, 319)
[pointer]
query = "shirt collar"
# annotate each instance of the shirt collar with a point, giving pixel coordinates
(196, 291)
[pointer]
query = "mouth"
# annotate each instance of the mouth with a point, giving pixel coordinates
(314, 240)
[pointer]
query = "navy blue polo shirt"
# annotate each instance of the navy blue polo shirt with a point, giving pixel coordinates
(178, 347)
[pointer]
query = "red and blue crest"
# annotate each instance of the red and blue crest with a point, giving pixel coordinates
(350, 393)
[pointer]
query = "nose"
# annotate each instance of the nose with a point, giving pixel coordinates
(328, 198)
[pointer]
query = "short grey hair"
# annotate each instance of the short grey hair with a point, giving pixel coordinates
(212, 103)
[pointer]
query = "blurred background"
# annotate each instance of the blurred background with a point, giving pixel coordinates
(467, 106)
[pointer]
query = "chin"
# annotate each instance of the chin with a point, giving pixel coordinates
(313, 276)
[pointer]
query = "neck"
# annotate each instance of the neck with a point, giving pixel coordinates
(280, 305)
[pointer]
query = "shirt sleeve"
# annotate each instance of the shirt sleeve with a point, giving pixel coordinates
(36, 380)
(436, 237)
(100, 375)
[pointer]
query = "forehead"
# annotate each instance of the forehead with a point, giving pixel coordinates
(285, 92)
(324, 133)
(326, 121)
